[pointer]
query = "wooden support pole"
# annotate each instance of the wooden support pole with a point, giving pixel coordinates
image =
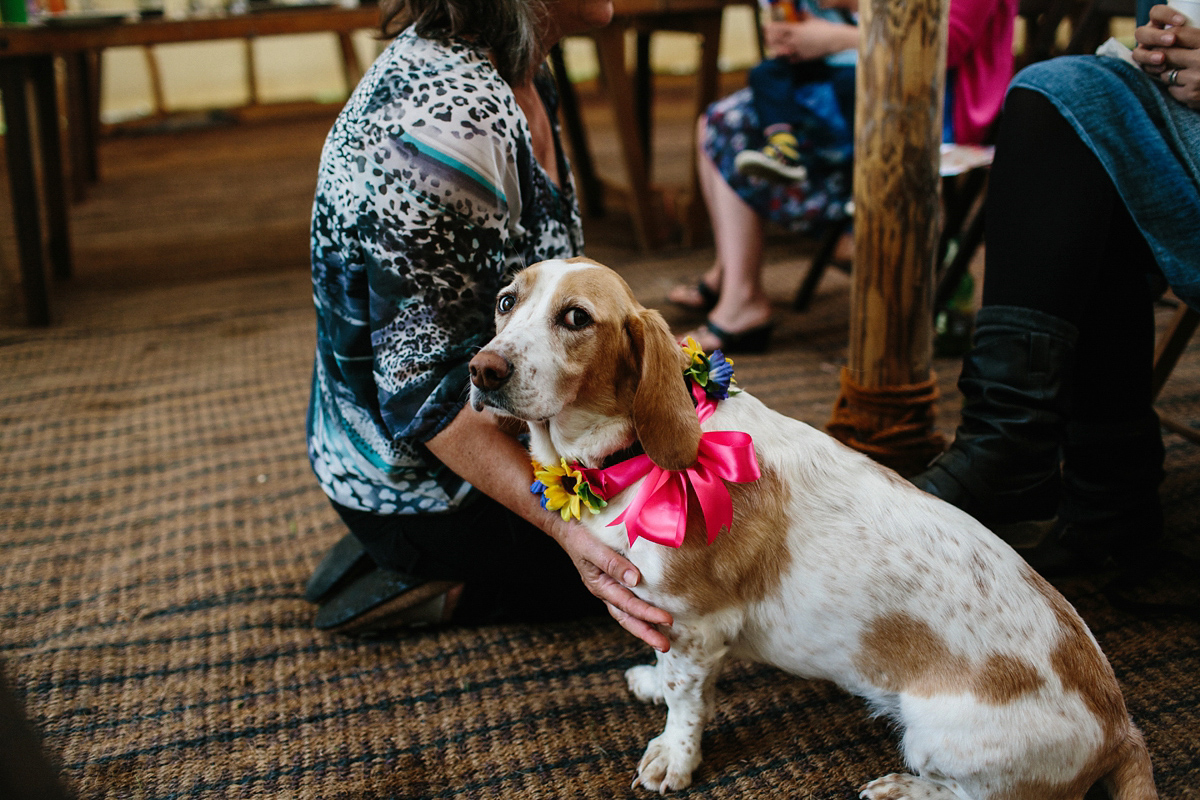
(886, 407)
(252, 72)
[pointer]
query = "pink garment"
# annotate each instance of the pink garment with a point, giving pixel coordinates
(980, 48)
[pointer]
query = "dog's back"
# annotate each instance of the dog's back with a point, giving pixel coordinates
(862, 579)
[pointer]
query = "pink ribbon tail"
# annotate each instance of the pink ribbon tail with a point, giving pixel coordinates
(724, 456)
(659, 510)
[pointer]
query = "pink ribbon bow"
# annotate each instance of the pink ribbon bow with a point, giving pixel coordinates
(659, 511)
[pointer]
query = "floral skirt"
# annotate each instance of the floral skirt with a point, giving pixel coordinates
(802, 207)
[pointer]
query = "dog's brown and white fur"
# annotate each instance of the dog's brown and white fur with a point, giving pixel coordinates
(834, 568)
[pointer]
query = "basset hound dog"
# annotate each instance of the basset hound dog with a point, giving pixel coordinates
(832, 567)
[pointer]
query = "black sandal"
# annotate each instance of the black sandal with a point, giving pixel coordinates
(708, 298)
(751, 340)
(344, 562)
(383, 600)
(356, 598)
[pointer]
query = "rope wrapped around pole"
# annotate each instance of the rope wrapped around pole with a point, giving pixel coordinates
(908, 441)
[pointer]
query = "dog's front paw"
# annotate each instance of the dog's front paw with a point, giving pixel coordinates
(898, 786)
(667, 766)
(645, 684)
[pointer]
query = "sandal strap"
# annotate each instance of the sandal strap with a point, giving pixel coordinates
(751, 340)
(345, 561)
(379, 600)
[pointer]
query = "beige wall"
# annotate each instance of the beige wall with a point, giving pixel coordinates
(213, 74)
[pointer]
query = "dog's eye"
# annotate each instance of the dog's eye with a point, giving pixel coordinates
(505, 303)
(576, 318)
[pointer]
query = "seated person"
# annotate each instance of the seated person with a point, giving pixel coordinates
(979, 59)
(812, 99)
(1094, 202)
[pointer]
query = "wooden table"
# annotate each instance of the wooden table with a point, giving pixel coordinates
(631, 98)
(31, 111)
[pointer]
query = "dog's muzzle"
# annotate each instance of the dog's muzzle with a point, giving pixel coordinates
(489, 372)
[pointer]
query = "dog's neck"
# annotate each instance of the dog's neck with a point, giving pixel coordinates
(581, 437)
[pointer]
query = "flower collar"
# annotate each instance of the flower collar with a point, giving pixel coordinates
(659, 511)
(564, 490)
(714, 374)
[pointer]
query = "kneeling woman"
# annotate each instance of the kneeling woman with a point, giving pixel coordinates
(1093, 206)
(442, 177)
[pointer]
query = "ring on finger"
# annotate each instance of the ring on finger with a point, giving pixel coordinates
(1173, 78)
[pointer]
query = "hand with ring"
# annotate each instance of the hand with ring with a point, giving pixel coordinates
(1169, 50)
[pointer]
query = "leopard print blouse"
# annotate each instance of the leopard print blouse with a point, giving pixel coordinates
(429, 199)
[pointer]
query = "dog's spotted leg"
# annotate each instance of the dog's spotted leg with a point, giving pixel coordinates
(685, 675)
(645, 683)
(899, 786)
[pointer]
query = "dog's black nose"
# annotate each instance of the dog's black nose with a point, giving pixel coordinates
(489, 370)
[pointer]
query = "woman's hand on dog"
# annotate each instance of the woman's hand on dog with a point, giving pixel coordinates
(610, 576)
(475, 447)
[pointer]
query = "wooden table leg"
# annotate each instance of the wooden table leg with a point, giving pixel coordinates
(694, 216)
(588, 185)
(251, 74)
(351, 69)
(82, 124)
(643, 93)
(58, 228)
(158, 99)
(93, 61)
(22, 181)
(610, 45)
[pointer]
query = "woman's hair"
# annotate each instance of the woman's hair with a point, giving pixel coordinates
(508, 28)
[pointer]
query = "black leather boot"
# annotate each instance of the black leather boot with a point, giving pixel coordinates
(1110, 515)
(1003, 466)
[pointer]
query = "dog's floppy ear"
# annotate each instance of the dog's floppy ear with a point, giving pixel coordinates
(664, 416)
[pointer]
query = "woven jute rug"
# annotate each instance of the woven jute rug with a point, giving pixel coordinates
(158, 521)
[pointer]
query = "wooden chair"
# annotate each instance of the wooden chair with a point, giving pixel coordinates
(962, 233)
(631, 99)
(1171, 346)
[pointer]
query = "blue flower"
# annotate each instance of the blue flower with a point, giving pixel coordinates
(720, 376)
(713, 374)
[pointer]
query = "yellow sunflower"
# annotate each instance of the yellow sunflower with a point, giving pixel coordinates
(558, 486)
(695, 353)
(563, 489)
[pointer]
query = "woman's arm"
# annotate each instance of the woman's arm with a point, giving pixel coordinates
(1169, 46)
(476, 449)
(810, 38)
